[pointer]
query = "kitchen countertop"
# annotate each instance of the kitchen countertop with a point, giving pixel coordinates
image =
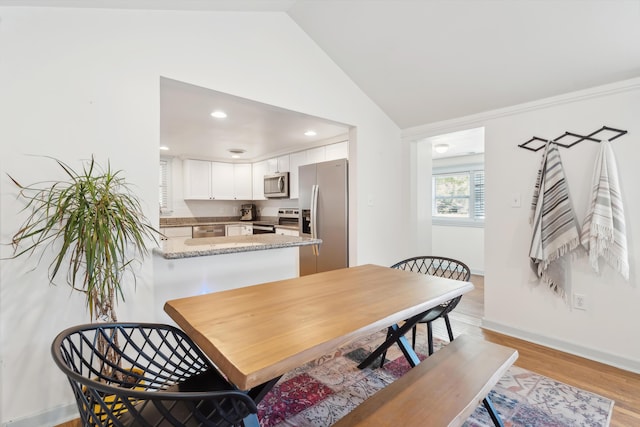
(192, 222)
(179, 247)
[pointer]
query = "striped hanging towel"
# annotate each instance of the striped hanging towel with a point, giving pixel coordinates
(555, 228)
(604, 231)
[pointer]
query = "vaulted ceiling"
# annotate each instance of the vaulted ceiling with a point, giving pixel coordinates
(424, 61)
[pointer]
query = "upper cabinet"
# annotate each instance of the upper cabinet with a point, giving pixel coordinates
(204, 180)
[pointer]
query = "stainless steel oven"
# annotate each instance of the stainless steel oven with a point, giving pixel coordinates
(263, 228)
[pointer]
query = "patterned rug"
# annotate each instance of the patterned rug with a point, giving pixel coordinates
(321, 392)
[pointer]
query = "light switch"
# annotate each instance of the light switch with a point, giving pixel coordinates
(515, 200)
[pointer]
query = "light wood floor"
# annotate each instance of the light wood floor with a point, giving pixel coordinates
(621, 386)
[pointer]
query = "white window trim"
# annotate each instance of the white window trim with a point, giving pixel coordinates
(456, 222)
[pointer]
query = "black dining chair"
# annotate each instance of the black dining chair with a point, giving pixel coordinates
(145, 374)
(435, 266)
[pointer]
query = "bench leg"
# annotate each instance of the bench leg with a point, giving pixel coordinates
(492, 412)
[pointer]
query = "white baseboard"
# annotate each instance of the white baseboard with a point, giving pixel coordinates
(49, 418)
(567, 347)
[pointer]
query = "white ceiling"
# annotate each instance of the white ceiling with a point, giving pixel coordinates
(261, 130)
(424, 61)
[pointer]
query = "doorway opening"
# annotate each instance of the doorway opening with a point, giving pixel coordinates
(458, 207)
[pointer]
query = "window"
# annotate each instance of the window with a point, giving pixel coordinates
(164, 183)
(458, 197)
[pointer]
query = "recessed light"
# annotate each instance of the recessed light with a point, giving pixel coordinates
(441, 148)
(164, 148)
(236, 152)
(310, 133)
(219, 114)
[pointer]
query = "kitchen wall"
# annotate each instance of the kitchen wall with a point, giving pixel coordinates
(515, 303)
(77, 83)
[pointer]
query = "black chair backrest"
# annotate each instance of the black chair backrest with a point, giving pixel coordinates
(145, 374)
(436, 266)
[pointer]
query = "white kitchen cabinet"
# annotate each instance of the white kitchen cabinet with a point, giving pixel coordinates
(242, 181)
(316, 155)
(197, 179)
(295, 160)
(222, 181)
(287, 232)
(169, 232)
(204, 180)
(260, 169)
(339, 150)
(283, 163)
(278, 164)
(239, 229)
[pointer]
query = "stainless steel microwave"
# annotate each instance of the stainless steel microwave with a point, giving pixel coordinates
(276, 185)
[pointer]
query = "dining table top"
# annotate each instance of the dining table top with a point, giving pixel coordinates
(257, 333)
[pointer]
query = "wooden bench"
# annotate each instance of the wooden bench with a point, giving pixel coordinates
(443, 390)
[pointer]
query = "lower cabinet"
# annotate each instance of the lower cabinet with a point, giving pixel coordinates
(239, 229)
(287, 232)
(176, 232)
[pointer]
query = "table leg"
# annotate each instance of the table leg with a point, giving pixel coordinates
(259, 392)
(397, 335)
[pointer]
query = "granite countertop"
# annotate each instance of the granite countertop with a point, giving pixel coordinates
(193, 221)
(190, 222)
(179, 247)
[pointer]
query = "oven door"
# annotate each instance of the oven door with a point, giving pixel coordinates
(263, 229)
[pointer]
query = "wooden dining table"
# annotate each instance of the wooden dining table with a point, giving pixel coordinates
(255, 334)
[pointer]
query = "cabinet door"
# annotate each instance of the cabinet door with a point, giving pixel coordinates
(197, 179)
(283, 164)
(177, 231)
(233, 230)
(272, 165)
(316, 155)
(287, 232)
(339, 150)
(242, 185)
(221, 181)
(295, 160)
(259, 171)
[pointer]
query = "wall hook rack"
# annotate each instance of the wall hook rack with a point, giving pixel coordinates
(536, 143)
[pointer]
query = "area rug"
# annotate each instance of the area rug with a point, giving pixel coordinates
(321, 392)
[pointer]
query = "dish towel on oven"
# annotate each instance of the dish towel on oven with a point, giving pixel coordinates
(555, 228)
(604, 231)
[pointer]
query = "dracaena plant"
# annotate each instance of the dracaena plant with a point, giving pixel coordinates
(96, 227)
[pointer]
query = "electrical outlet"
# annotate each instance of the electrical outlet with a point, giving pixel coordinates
(515, 200)
(579, 301)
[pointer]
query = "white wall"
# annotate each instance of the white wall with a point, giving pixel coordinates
(81, 82)
(608, 329)
(463, 243)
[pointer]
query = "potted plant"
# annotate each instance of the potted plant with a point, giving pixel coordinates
(96, 228)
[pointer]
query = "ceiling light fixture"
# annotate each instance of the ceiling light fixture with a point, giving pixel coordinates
(310, 133)
(236, 152)
(441, 148)
(219, 114)
(164, 148)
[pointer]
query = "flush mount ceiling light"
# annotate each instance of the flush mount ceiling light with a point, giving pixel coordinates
(219, 114)
(236, 152)
(441, 148)
(310, 133)
(164, 148)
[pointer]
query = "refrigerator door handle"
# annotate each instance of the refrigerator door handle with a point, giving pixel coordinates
(314, 217)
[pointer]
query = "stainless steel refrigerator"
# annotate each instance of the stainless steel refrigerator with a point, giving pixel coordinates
(323, 202)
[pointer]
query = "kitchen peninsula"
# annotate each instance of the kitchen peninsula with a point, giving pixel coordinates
(186, 248)
(185, 267)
